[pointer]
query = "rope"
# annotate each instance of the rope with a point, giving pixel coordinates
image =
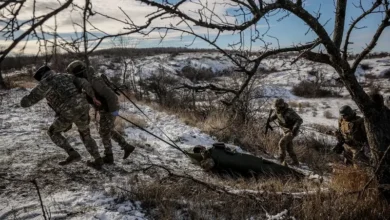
(139, 109)
(143, 129)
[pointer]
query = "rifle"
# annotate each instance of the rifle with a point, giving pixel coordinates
(267, 125)
(338, 148)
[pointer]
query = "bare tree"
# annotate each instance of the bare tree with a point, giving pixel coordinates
(242, 17)
(87, 38)
(123, 44)
(10, 12)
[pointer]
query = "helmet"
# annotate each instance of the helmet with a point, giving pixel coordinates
(346, 110)
(279, 103)
(76, 67)
(199, 148)
(38, 75)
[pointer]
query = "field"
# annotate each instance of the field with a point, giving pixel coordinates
(158, 181)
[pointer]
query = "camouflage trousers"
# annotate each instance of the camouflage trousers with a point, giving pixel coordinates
(107, 132)
(355, 156)
(76, 111)
(286, 144)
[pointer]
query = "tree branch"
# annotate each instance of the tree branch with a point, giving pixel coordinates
(27, 32)
(353, 25)
(258, 14)
(385, 23)
(318, 57)
(209, 86)
(319, 29)
(339, 22)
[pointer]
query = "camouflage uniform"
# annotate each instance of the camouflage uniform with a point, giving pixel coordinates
(62, 92)
(353, 134)
(290, 122)
(109, 105)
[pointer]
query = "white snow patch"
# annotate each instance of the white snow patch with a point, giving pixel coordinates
(280, 216)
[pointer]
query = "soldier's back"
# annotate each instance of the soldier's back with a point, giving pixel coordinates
(62, 90)
(288, 118)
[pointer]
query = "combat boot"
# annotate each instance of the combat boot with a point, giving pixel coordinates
(108, 158)
(97, 163)
(128, 150)
(295, 163)
(295, 160)
(280, 158)
(73, 157)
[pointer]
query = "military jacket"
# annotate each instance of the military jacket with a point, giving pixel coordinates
(103, 93)
(287, 119)
(353, 131)
(58, 89)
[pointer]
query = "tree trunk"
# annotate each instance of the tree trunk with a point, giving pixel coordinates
(2, 82)
(377, 124)
(378, 133)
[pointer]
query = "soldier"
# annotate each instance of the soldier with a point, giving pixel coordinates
(352, 134)
(290, 122)
(62, 94)
(108, 110)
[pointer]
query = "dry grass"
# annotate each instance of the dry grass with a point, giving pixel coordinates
(322, 128)
(174, 197)
(348, 179)
(20, 81)
(166, 198)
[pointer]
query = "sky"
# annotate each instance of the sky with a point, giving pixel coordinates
(289, 31)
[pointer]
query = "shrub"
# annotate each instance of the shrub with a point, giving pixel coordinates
(268, 70)
(370, 76)
(310, 89)
(161, 85)
(196, 75)
(328, 115)
(312, 72)
(386, 74)
(365, 66)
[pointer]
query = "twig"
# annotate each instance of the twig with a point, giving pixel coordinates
(375, 173)
(40, 198)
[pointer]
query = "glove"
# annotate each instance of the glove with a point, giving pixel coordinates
(116, 113)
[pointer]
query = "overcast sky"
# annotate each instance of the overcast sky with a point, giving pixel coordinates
(289, 31)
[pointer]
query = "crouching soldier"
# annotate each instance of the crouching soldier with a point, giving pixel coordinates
(62, 94)
(108, 110)
(290, 122)
(352, 134)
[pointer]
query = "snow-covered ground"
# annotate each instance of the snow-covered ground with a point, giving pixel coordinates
(79, 192)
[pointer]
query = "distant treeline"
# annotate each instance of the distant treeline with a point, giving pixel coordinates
(137, 52)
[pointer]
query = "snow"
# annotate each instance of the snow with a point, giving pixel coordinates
(148, 66)
(26, 148)
(66, 204)
(279, 216)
